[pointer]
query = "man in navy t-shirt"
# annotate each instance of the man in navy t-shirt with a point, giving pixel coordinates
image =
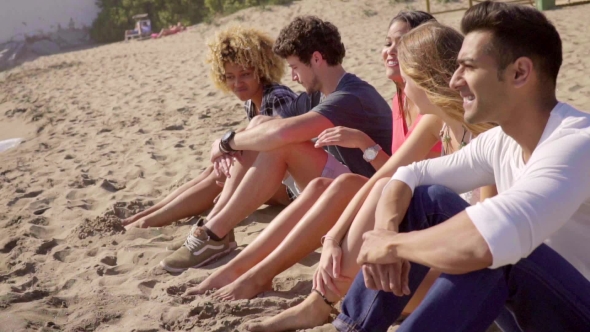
(314, 52)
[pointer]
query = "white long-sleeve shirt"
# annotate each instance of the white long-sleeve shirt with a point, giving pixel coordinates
(546, 200)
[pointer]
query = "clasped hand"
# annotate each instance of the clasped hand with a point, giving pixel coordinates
(382, 268)
(222, 162)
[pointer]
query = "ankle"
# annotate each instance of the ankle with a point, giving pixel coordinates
(316, 301)
(256, 279)
(212, 235)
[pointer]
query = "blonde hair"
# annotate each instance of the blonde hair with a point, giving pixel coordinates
(428, 55)
(248, 48)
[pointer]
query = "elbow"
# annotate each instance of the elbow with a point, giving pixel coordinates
(478, 258)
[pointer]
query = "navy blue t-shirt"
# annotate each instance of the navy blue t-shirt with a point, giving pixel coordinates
(355, 104)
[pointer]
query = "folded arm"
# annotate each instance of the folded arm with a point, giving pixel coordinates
(503, 229)
(415, 148)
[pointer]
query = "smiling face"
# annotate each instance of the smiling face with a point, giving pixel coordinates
(242, 81)
(485, 90)
(304, 74)
(389, 52)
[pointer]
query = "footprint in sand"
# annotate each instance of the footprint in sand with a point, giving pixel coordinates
(63, 255)
(146, 287)
(56, 302)
(109, 260)
(8, 246)
(112, 185)
(38, 232)
(83, 181)
(21, 270)
(40, 221)
(39, 207)
(31, 194)
(174, 127)
(25, 285)
(46, 247)
(158, 157)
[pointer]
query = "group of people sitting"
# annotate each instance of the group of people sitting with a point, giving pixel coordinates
(465, 202)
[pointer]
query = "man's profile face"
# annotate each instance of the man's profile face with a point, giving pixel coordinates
(303, 74)
(484, 89)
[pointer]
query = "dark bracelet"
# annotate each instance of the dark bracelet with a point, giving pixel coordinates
(222, 149)
(331, 304)
(225, 147)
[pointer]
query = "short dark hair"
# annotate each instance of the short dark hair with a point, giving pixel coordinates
(517, 31)
(412, 17)
(309, 34)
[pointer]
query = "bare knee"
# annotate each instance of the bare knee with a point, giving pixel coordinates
(380, 185)
(348, 180)
(318, 185)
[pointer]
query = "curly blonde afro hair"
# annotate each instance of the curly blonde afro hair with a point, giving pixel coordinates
(246, 47)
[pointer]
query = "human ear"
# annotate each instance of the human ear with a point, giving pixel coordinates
(522, 71)
(317, 57)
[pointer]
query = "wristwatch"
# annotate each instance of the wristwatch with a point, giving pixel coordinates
(224, 145)
(371, 153)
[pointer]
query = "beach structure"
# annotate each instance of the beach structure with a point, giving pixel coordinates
(143, 28)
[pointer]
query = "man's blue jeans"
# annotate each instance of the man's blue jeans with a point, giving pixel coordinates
(543, 291)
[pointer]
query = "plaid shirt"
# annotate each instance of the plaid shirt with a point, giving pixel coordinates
(276, 99)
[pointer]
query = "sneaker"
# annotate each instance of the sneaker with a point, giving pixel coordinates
(198, 250)
(200, 223)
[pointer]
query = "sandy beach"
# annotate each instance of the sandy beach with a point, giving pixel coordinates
(112, 129)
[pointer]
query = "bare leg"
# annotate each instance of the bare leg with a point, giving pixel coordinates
(314, 311)
(303, 161)
(238, 171)
(193, 201)
(301, 241)
(267, 241)
(206, 173)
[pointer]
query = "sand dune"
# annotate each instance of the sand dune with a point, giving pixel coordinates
(111, 129)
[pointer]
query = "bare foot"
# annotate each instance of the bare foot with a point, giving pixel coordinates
(218, 279)
(128, 221)
(312, 312)
(140, 223)
(245, 287)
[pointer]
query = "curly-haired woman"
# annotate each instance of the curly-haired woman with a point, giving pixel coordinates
(242, 62)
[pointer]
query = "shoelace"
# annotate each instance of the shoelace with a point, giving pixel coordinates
(192, 242)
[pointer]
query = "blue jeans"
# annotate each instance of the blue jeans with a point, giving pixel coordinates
(543, 292)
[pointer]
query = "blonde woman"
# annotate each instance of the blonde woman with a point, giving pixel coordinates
(428, 58)
(241, 62)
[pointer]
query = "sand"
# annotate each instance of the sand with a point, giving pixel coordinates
(110, 130)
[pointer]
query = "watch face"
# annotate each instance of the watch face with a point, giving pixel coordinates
(371, 154)
(226, 136)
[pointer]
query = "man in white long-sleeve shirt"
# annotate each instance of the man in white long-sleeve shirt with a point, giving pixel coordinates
(528, 248)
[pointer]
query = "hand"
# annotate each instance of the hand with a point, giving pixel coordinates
(377, 248)
(223, 164)
(388, 277)
(329, 268)
(215, 151)
(344, 137)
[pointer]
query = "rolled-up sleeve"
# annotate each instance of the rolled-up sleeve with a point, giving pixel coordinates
(553, 186)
